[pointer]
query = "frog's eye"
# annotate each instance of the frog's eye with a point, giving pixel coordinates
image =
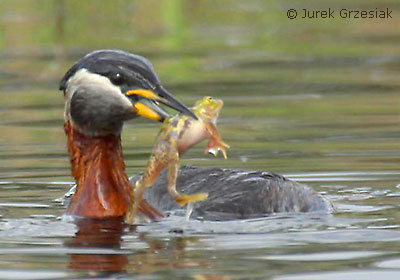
(209, 99)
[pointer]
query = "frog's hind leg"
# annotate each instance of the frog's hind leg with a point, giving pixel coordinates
(153, 168)
(172, 174)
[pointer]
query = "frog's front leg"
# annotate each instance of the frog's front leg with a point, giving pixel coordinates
(172, 174)
(215, 144)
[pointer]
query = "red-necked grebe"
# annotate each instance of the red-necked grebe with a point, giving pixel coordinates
(96, 106)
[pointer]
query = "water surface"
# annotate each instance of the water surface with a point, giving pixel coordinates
(315, 101)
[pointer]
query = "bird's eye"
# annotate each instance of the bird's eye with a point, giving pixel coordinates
(117, 78)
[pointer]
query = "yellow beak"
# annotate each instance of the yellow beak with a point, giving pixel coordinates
(146, 112)
(146, 103)
(148, 94)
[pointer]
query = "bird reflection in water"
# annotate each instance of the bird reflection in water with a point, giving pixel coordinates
(160, 254)
(98, 234)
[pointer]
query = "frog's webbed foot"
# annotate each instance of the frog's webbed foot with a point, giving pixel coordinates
(182, 199)
(141, 211)
(217, 147)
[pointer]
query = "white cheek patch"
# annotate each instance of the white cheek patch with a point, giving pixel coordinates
(86, 79)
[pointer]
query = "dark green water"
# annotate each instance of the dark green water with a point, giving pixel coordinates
(314, 99)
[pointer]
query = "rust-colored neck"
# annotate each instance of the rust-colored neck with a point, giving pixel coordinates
(103, 189)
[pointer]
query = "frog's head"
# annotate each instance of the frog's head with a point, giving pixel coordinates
(208, 108)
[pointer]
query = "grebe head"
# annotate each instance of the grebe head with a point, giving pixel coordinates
(102, 90)
(107, 87)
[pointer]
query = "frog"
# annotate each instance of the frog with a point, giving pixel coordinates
(177, 135)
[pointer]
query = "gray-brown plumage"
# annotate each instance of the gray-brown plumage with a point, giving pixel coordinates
(235, 194)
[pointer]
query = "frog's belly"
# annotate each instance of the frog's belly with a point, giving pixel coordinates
(192, 136)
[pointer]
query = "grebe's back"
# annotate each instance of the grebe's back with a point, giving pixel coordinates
(235, 194)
